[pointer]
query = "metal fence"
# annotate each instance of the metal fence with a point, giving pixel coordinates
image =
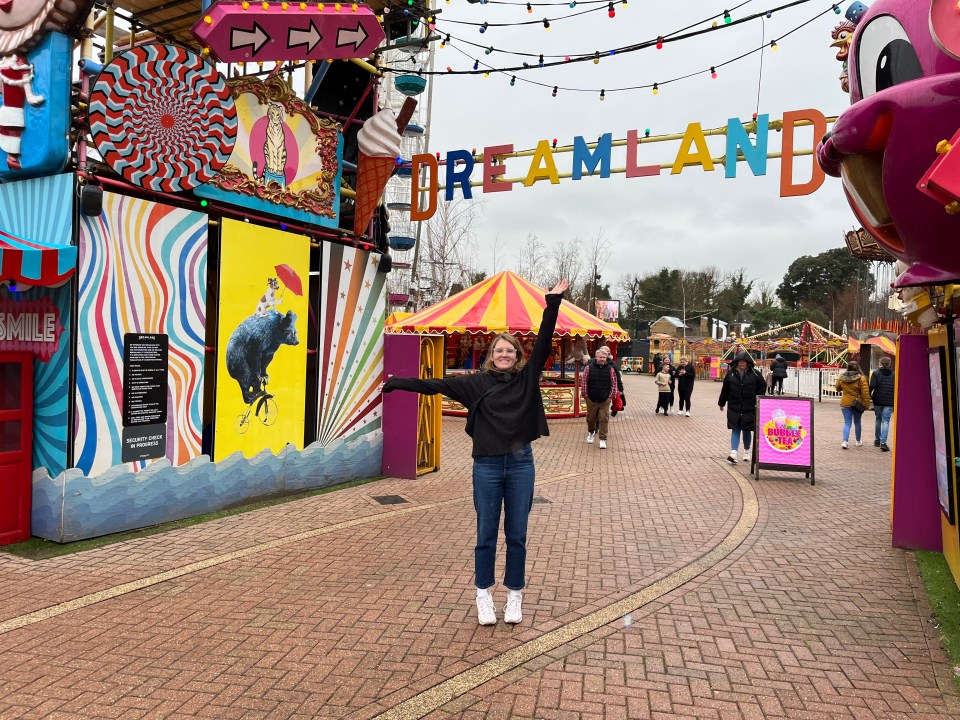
(816, 383)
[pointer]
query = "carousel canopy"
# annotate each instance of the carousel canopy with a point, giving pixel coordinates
(503, 303)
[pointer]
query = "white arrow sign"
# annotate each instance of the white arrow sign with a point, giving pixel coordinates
(310, 37)
(351, 37)
(246, 38)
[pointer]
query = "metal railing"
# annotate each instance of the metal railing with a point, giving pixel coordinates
(816, 383)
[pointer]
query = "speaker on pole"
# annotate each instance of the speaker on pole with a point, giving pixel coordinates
(91, 200)
(386, 264)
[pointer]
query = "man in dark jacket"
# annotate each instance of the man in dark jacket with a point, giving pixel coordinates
(741, 386)
(686, 373)
(616, 369)
(599, 387)
(778, 370)
(881, 392)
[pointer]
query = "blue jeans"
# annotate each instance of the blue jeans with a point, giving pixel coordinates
(503, 480)
(848, 415)
(883, 413)
(735, 439)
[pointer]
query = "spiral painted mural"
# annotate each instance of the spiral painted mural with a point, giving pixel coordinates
(143, 269)
(42, 210)
(352, 301)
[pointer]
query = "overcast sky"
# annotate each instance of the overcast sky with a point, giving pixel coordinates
(688, 220)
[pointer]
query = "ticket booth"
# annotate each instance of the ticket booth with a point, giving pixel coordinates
(16, 445)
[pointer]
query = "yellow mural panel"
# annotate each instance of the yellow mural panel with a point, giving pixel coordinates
(262, 334)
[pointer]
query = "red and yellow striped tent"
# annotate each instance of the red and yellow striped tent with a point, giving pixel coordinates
(503, 303)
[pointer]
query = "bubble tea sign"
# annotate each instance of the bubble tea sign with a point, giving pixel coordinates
(785, 434)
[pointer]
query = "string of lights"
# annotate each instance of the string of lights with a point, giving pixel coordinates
(658, 42)
(589, 55)
(655, 86)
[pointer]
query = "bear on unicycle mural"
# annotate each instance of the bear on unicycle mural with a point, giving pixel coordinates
(263, 347)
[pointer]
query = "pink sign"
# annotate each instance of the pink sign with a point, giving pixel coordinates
(237, 31)
(30, 326)
(786, 432)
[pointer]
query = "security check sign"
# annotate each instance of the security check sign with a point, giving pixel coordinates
(278, 31)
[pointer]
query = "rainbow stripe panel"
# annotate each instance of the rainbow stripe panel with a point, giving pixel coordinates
(143, 269)
(350, 351)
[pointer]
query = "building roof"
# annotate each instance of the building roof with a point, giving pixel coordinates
(675, 321)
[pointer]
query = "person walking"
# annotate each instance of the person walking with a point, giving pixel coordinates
(685, 376)
(778, 371)
(741, 386)
(854, 400)
(657, 363)
(599, 387)
(663, 380)
(881, 393)
(623, 397)
(504, 415)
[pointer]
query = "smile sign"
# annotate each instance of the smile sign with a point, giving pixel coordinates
(242, 31)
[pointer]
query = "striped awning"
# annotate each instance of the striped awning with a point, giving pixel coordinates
(34, 263)
(504, 303)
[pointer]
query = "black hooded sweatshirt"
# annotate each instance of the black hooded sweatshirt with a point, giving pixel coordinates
(881, 387)
(512, 414)
(739, 393)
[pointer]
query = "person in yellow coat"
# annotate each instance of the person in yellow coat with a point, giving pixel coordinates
(854, 400)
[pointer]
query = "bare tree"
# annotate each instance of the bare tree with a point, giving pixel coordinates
(448, 254)
(532, 262)
(567, 263)
(595, 260)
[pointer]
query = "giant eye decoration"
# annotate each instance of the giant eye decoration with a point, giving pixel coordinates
(885, 56)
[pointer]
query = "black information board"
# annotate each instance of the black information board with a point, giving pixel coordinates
(145, 379)
(143, 442)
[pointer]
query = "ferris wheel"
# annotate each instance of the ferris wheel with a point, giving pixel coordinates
(416, 52)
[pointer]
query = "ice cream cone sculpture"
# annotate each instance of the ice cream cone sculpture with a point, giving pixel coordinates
(379, 141)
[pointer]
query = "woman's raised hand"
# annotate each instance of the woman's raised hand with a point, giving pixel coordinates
(560, 287)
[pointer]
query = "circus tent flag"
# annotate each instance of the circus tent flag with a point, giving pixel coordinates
(504, 303)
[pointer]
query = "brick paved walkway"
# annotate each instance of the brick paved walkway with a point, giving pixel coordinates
(746, 599)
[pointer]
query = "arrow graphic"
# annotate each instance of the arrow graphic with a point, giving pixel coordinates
(256, 38)
(309, 37)
(351, 37)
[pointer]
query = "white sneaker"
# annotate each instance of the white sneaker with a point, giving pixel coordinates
(844, 444)
(603, 444)
(732, 457)
(746, 456)
(511, 611)
(858, 443)
(687, 413)
(590, 437)
(486, 610)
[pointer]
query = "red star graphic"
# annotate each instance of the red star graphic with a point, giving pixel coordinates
(346, 265)
(366, 283)
(359, 308)
(343, 296)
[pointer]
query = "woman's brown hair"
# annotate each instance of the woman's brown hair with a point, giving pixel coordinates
(488, 363)
(853, 366)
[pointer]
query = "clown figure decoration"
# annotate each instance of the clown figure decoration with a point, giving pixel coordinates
(16, 76)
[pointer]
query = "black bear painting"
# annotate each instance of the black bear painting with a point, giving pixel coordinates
(252, 346)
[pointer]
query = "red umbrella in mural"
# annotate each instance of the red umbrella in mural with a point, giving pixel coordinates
(288, 276)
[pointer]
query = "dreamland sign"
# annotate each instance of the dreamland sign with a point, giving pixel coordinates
(589, 157)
